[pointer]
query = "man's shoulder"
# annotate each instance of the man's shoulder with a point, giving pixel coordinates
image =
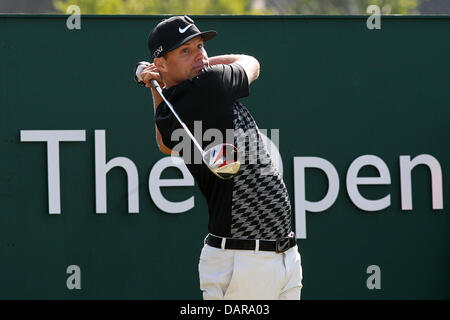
(219, 72)
(207, 82)
(208, 74)
(216, 76)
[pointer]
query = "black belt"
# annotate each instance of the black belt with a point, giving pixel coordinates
(279, 246)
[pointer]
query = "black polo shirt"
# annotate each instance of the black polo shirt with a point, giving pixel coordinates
(254, 204)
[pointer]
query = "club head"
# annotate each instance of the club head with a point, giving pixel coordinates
(222, 160)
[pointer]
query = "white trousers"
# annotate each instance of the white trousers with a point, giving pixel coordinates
(249, 275)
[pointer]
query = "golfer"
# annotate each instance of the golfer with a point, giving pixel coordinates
(250, 251)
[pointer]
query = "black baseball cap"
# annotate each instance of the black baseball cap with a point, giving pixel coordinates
(171, 33)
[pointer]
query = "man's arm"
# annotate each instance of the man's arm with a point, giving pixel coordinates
(249, 63)
(147, 74)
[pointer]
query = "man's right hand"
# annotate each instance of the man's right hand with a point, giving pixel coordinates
(149, 73)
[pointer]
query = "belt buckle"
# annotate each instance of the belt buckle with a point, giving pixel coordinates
(282, 245)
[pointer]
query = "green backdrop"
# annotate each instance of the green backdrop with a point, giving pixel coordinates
(334, 89)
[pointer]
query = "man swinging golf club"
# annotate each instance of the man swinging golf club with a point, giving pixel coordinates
(250, 251)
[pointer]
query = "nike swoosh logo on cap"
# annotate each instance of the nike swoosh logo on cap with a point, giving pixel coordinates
(184, 29)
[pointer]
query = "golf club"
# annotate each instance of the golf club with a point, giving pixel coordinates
(221, 158)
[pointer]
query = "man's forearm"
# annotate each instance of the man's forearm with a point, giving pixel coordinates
(156, 98)
(249, 63)
(224, 59)
(156, 102)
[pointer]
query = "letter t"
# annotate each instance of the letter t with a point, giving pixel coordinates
(53, 138)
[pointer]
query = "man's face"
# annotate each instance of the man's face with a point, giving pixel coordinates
(185, 62)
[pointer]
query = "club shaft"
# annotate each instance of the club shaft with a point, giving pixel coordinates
(158, 88)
